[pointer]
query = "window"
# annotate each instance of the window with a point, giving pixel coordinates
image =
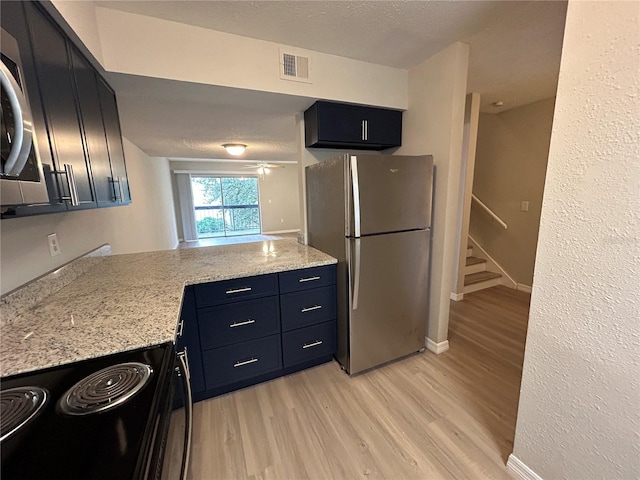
(225, 206)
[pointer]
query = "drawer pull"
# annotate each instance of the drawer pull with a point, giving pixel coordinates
(310, 309)
(246, 362)
(314, 344)
(308, 279)
(180, 328)
(239, 324)
(238, 290)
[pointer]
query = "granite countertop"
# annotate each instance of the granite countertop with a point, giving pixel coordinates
(133, 301)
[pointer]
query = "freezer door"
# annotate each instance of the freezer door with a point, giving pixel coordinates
(389, 193)
(388, 297)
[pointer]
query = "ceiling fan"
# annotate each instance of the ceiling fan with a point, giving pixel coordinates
(263, 168)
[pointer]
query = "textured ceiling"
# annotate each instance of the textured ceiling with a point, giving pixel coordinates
(397, 34)
(515, 58)
(167, 118)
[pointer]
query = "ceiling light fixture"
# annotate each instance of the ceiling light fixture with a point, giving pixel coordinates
(499, 103)
(234, 148)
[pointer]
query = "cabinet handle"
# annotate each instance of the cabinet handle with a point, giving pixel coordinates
(73, 197)
(73, 188)
(239, 290)
(362, 135)
(118, 180)
(314, 344)
(246, 362)
(308, 279)
(180, 327)
(366, 129)
(309, 309)
(239, 324)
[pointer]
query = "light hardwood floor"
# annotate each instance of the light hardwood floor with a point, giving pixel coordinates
(424, 417)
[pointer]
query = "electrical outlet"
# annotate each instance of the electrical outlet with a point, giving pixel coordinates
(54, 248)
(282, 220)
(524, 206)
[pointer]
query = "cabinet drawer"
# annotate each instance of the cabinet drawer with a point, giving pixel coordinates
(307, 278)
(241, 361)
(308, 307)
(216, 293)
(238, 322)
(309, 343)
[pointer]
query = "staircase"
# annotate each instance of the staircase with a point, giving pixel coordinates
(476, 276)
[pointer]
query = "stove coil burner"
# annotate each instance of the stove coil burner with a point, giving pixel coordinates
(105, 389)
(18, 406)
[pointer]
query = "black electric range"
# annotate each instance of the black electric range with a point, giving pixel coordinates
(113, 426)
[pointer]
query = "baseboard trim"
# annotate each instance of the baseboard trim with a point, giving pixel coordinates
(280, 231)
(437, 348)
(456, 297)
(520, 470)
(524, 288)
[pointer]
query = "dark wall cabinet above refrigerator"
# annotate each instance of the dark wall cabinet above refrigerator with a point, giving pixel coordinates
(340, 125)
(75, 116)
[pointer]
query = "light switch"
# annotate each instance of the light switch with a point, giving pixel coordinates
(524, 206)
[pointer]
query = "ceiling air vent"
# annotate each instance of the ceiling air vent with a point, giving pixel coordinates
(294, 67)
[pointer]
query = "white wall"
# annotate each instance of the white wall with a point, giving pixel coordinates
(433, 124)
(141, 45)
(147, 224)
(279, 205)
(470, 139)
(579, 411)
(81, 17)
(511, 164)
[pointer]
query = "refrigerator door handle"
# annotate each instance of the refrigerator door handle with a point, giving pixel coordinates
(356, 196)
(356, 275)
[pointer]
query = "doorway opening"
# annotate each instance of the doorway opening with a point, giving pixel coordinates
(225, 206)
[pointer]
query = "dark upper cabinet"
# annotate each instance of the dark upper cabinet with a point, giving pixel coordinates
(93, 129)
(14, 22)
(111, 121)
(75, 115)
(340, 125)
(57, 92)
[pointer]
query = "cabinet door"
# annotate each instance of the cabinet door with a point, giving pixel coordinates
(189, 337)
(384, 127)
(93, 129)
(340, 123)
(114, 141)
(59, 102)
(14, 22)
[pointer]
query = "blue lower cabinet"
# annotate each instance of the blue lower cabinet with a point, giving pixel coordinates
(238, 322)
(239, 362)
(189, 337)
(308, 307)
(236, 290)
(310, 343)
(250, 330)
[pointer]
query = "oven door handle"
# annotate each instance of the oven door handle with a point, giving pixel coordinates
(21, 142)
(188, 411)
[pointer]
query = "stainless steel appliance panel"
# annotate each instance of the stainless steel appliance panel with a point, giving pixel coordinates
(21, 176)
(326, 205)
(388, 297)
(389, 193)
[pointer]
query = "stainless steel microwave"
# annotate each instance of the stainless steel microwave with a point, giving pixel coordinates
(21, 179)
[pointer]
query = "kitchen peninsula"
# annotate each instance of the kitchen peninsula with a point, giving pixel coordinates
(126, 302)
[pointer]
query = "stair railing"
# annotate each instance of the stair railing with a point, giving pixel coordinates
(489, 211)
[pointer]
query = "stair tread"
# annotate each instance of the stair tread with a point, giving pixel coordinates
(480, 277)
(474, 261)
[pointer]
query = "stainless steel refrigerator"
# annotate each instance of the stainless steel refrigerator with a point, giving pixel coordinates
(373, 213)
